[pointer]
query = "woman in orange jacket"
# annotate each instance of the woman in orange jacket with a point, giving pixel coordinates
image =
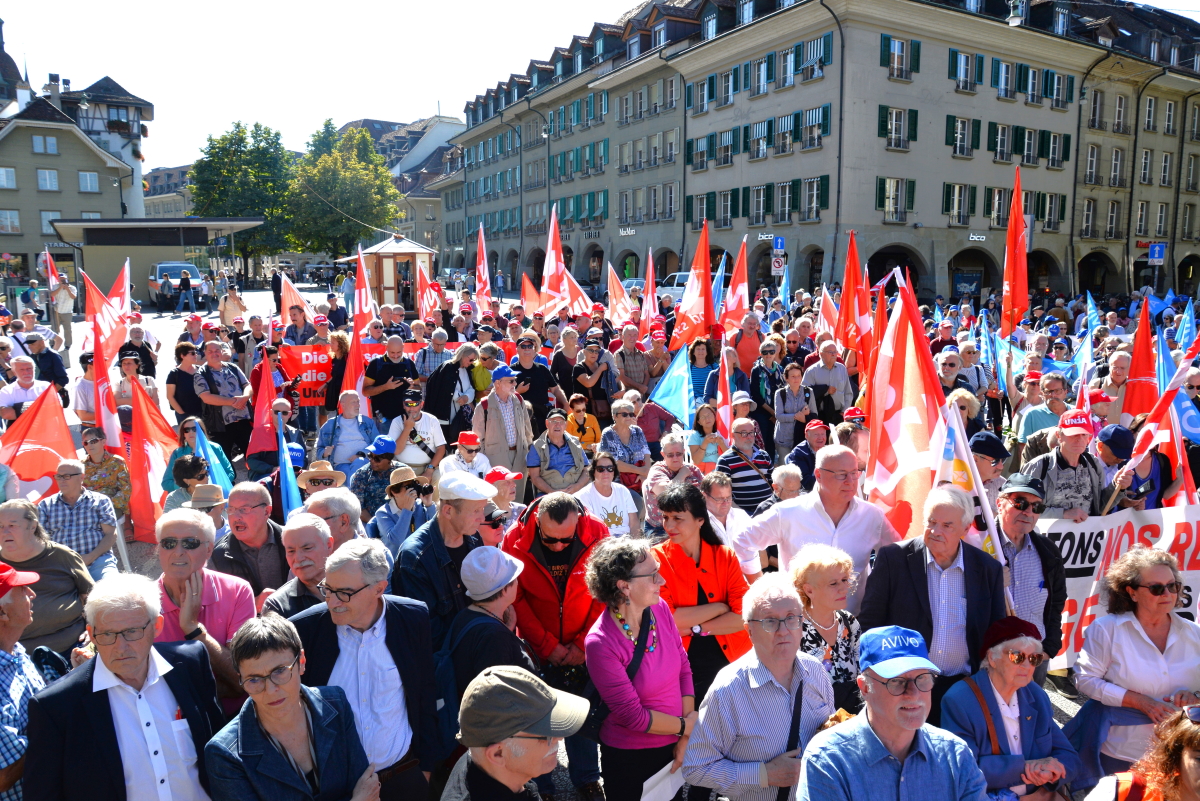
(704, 585)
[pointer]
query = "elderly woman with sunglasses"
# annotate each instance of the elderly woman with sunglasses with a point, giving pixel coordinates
(1139, 663)
(766, 377)
(608, 499)
(187, 447)
(627, 444)
(1008, 720)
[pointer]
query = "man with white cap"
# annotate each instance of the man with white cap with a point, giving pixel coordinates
(431, 560)
(889, 752)
(512, 724)
(482, 635)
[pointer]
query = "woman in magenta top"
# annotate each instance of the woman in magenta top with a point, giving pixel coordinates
(651, 717)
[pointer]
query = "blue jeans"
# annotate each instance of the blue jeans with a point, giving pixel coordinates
(190, 299)
(583, 764)
(103, 566)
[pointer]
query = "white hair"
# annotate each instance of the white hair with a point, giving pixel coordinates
(439, 333)
(307, 520)
(120, 592)
(771, 587)
(24, 360)
(369, 554)
(786, 471)
(831, 452)
(202, 523)
(952, 496)
(338, 500)
(72, 463)
(1119, 355)
(996, 652)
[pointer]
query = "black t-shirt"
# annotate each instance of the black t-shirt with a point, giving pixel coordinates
(143, 351)
(559, 563)
(381, 370)
(540, 381)
(487, 644)
(596, 392)
(563, 371)
(459, 554)
(185, 392)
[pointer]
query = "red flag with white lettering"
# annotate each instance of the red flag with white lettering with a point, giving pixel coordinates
(696, 317)
(109, 329)
(428, 299)
(483, 279)
(737, 299)
(356, 359)
(649, 297)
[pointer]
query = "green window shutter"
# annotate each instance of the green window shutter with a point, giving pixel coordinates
(712, 145)
(1047, 83)
(688, 149)
(710, 206)
(746, 201)
(591, 204)
(797, 125)
(971, 206)
(1023, 77)
(885, 50)
(978, 69)
(746, 74)
(769, 198)
(1066, 148)
(770, 67)
(578, 158)
(880, 193)
(1070, 88)
(591, 106)
(914, 55)
(735, 142)
(770, 130)
(712, 86)
(1039, 205)
(826, 48)
(1043, 150)
(823, 191)
(993, 135)
(553, 168)
(1018, 139)
(734, 197)
(951, 121)
(687, 96)
(687, 208)
(995, 72)
(952, 69)
(604, 204)
(797, 186)
(883, 121)
(989, 197)
(797, 56)
(826, 120)
(604, 152)
(910, 192)
(912, 125)
(736, 78)
(746, 138)
(975, 126)
(947, 194)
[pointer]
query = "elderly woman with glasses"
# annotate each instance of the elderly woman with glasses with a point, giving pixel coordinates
(627, 444)
(103, 472)
(1008, 720)
(586, 380)
(652, 713)
(187, 447)
(968, 409)
(63, 584)
(1139, 664)
(289, 741)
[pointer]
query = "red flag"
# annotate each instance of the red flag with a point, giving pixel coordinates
(724, 399)
(554, 294)
(649, 297)
(827, 319)
(356, 359)
(364, 299)
(151, 443)
(429, 300)
(292, 297)
(1016, 268)
(696, 317)
(263, 436)
(905, 419)
(38, 440)
(737, 299)
(1148, 433)
(620, 307)
(52, 277)
(108, 333)
(483, 279)
(577, 300)
(1140, 392)
(853, 328)
(871, 358)
(529, 296)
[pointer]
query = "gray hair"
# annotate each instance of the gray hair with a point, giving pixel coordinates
(633, 396)
(1054, 376)
(831, 452)
(489, 350)
(673, 438)
(24, 360)
(464, 350)
(29, 512)
(192, 517)
(338, 500)
(614, 559)
(949, 495)
(345, 393)
(307, 520)
(996, 652)
(621, 405)
(786, 471)
(439, 333)
(629, 328)
(369, 554)
(1119, 355)
(570, 333)
(771, 587)
(72, 463)
(122, 592)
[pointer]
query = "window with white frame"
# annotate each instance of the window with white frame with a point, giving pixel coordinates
(785, 62)
(1029, 147)
(758, 205)
(89, 215)
(1113, 226)
(1151, 120)
(814, 57)
(1155, 49)
(670, 192)
(1191, 173)
(1089, 217)
(783, 134)
(1119, 113)
(47, 218)
(652, 196)
(724, 207)
(1004, 79)
(758, 140)
(89, 181)
(658, 35)
(1053, 204)
(700, 154)
(669, 89)
(47, 180)
(1189, 216)
(810, 202)
(1164, 175)
(1096, 113)
(1164, 212)
(962, 137)
(725, 88)
(699, 211)
(623, 204)
(1001, 204)
(10, 221)
(1117, 172)
(783, 201)
(1147, 157)
(725, 146)
(894, 199)
(1032, 87)
(708, 27)
(1060, 21)
(959, 205)
(1169, 117)
(634, 48)
(1093, 161)
(745, 12)
(758, 77)
(1056, 150)
(45, 144)
(1003, 143)
(1143, 213)
(8, 178)
(898, 60)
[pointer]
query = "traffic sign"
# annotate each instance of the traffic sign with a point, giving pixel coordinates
(776, 266)
(779, 243)
(1158, 253)
(221, 241)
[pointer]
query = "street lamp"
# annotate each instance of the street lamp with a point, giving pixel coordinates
(1014, 17)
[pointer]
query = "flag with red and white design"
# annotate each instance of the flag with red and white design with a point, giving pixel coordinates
(356, 358)
(53, 279)
(737, 298)
(649, 297)
(724, 399)
(620, 307)
(1157, 427)
(151, 444)
(853, 328)
(429, 300)
(109, 331)
(38, 440)
(1015, 297)
(292, 297)
(827, 319)
(483, 279)
(1140, 392)
(695, 318)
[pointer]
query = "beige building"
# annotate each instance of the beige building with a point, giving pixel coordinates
(168, 192)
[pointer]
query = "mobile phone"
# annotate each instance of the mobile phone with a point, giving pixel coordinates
(1141, 492)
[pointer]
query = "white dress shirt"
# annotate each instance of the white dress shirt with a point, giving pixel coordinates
(1118, 656)
(794, 523)
(158, 755)
(366, 671)
(1010, 716)
(736, 521)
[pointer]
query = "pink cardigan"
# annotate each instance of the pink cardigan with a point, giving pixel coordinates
(665, 676)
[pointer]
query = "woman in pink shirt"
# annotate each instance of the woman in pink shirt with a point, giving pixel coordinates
(653, 713)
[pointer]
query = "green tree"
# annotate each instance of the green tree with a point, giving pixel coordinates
(245, 173)
(323, 142)
(338, 198)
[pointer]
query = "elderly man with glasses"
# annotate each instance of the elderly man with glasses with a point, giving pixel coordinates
(252, 550)
(16, 396)
(112, 728)
(503, 423)
(81, 519)
(377, 648)
(747, 466)
(1046, 415)
(388, 378)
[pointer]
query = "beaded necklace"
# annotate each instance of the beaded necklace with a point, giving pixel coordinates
(651, 641)
(827, 660)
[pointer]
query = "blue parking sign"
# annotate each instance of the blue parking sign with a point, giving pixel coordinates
(779, 245)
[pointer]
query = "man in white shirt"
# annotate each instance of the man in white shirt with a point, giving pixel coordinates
(63, 302)
(131, 723)
(420, 440)
(832, 514)
(24, 391)
(727, 519)
(31, 324)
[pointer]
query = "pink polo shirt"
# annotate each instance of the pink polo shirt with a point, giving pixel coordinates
(226, 602)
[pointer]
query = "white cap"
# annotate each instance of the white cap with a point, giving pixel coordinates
(488, 570)
(462, 486)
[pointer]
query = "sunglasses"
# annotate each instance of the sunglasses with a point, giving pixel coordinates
(625, 414)
(1020, 657)
(495, 524)
(188, 543)
(382, 457)
(1157, 590)
(1024, 505)
(470, 450)
(556, 540)
(605, 468)
(320, 482)
(1191, 386)
(190, 430)
(526, 345)
(92, 441)
(767, 351)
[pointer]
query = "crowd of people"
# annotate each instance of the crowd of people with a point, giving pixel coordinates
(506, 546)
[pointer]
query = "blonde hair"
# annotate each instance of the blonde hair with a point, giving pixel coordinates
(967, 397)
(818, 556)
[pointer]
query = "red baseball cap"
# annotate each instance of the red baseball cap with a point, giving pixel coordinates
(1076, 421)
(1033, 375)
(193, 318)
(1098, 396)
(429, 321)
(598, 307)
(237, 320)
(465, 307)
(854, 413)
(502, 474)
(658, 335)
(210, 327)
(276, 325)
(468, 438)
(11, 577)
(320, 319)
(815, 424)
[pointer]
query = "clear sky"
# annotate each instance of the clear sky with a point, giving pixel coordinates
(205, 65)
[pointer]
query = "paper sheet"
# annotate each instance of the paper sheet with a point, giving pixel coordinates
(662, 786)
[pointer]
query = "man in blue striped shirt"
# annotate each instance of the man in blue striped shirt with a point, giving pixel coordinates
(747, 467)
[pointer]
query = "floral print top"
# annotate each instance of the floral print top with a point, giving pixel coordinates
(109, 477)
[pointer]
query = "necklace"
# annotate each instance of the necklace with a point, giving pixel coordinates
(830, 627)
(827, 657)
(651, 640)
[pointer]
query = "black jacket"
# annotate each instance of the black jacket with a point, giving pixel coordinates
(229, 557)
(50, 367)
(897, 593)
(408, 641)
(439, 391)
(73, 751)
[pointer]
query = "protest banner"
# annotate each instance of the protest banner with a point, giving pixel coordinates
(313, 363)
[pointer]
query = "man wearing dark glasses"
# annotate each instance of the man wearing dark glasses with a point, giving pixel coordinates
(1034, 574)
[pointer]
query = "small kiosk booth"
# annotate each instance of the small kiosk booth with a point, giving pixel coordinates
(391, 269)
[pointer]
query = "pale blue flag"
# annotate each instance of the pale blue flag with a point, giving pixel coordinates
(216, 473)
(289, 490)
(718, 288)
(1094, 320)
(674, 390)
(1185, 331)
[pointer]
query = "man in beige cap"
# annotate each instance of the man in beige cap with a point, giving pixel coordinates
(512, 724)
(307, 544)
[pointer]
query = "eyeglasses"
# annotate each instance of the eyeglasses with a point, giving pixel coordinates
(899, 685)
(652, 576)
(253, 685)
(717, 500)
(342, 595)
(128, 635)
(1024, 505)
(244, 510)
(1158, 590)
(841, 475)
(65, 476)
(605, 468)
(771, 624)
(188, 543)
(92, 441)
(1060, 347)
(1020, 657)
(320, 482)
(992, 462)
(747, 433)
(768, 351)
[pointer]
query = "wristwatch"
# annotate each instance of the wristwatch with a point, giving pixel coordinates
(698, 632)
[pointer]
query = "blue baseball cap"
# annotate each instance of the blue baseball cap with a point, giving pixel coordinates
(503, 371)
(296, 454)
(381, 445)
(1054, 330)
(892, 650)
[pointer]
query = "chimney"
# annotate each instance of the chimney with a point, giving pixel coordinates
(55, 89)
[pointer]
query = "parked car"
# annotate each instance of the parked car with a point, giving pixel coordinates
(174, 270)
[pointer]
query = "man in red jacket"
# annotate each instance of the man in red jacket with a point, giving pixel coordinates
(553, 538)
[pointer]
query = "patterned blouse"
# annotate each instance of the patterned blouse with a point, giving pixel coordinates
(109, 477)
(637, 449)
(841, 659)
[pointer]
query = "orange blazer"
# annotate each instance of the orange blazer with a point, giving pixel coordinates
(719, 573)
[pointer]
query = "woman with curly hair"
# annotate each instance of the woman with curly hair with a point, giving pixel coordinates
(1170, 770)
(824, 577)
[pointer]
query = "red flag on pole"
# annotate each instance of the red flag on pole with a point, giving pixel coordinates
(429, 300)
(263, 436)
(620, 307)
(737, 299)
(724, 399)
(556, 290)
(292, 297)
(150, 446)
(1016, 267)
(827, 318)
(108, 333)
(853, 328)
(52, 277)
(696, 317)
(649, 297)
(356, 358)
(529, 296)
(1140, 392)
(38, 440)
(483, 279)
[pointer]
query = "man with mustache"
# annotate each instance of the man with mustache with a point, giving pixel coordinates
(307, 544)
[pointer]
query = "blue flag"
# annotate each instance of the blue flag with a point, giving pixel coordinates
(785, 287)
(1083, 360)
(937, 314)
(289, 490)
(1185, 331)
(216, 473)
(718, 288)
(674, 390)
(1164, 367)
(1094, 320)
(1156, 305)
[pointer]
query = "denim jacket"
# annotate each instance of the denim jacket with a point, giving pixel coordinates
(426, 573)
(393, 526)
(327, 437)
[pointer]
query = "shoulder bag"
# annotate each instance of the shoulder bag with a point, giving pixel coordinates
(599, 710)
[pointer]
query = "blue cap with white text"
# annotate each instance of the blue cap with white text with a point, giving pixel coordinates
(893, 650)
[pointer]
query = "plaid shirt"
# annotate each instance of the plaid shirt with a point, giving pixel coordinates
(1029, 589)
(78, 526)
(948, 602)
(21, 681)
(428, 361)
(371, 485)
(510, 423)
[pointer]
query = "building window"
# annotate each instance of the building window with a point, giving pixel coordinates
(1154, 49)
(783, 134)
(962, 137)
(1147, 156)
(1003, 73)
(658, 36)
(1032, 86)
(783, 202)
(1052, 213)
(959, 204)
(724, 209)
(758, 140)
(1169, 118)
(1093, 159)
(810, 207)
(758, 75)
(725, 88)
(47, 180)
(635, 47)
(1001, 204)
(700, 156)
(708, 27)
(1029, 147)
(1089, 218)
(1096, 115)
(8, 178)
(1160, 228)
(1188, 216)
(89, 182)
(894, 197)
(897, 131)
(1191, 173)
(10, 221)
(1117, 173)
(1143, 212)
(1119, 115)
(1003, 143)
(89, 215)
(745, 12)
(901, 59)
(669, 194)
(725, 146)
(1060, 21)
(1105, 41)
(47, 216)
(699, 211)
(1113, 226)
(45, 144)
(1151, 115)
(118, 113)
(758, 205)
(785, 73)
(1164, 175)
(1055, 156)
(1175, 55)
(652, 202)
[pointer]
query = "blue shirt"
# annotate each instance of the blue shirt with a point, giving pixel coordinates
(560, 458)
(77, 526)
(948, 604)
(1029, 589)
(20, 681)
(848, 762)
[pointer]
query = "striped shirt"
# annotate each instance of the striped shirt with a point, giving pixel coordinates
(744, 722)
(427, 360)
(20, 681)
(699, 379)
(948, 602)
(78, 525)
(1029, 589)
(749, 487)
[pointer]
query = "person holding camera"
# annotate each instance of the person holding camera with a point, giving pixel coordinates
(14, 397)
(409, 506)
(418, 435)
